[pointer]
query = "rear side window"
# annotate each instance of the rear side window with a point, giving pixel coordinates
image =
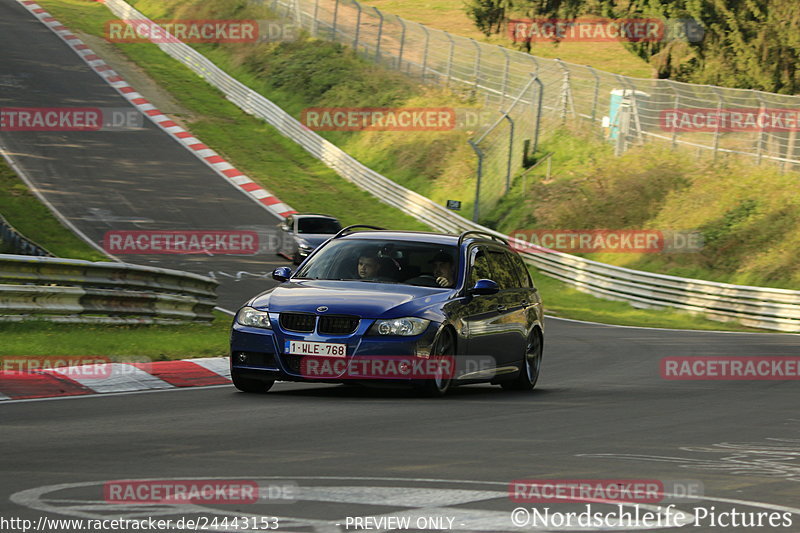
(521, 270)
(504, 271)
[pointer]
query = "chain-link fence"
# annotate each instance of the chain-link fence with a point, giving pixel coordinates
(627, 111)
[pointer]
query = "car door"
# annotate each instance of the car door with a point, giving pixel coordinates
(479, 314)
(528, 296)
(511, 333)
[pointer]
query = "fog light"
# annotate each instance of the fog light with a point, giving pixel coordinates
(242, 357)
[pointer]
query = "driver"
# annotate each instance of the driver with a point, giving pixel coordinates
(368, 266)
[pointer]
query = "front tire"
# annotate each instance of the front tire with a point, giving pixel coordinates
(443, 345)
(255, 386)
(531, 365)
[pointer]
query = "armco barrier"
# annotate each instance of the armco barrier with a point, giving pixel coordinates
(775, 309)
(72, 290)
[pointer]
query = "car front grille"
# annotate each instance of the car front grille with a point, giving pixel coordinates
(338, 325)
(300, 322)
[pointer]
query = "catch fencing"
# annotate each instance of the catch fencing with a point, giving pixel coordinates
(776, 309)
(626, 111)
(72, 290)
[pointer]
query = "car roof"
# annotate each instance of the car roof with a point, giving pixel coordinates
(416, 236)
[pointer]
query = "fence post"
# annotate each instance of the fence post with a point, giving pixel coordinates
(402, 43)
(505, 73)
(566, 91)
(596, 92)
(760, 147)
(315, 24)
(510, 150)
(676, 106)
(477, 62)
(450, 57)
(538, 112)
(335, 18)
(720, 102)
(358, 27)
(425, 51)
(479, 153)
(380, 36)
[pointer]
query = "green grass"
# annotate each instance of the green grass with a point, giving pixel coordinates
(305, 183)
(20, 207)
(155, 342)
(450, 15)
(748, 215)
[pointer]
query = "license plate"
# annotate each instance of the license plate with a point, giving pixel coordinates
(323, 349)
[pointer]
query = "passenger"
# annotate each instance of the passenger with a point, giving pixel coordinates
(444, 269)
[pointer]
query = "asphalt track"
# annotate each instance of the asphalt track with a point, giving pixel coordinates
(132, 179)
(601, 410)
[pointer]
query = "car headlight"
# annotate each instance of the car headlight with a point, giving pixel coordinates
(303, 245)
(247, 316)
(405, 327)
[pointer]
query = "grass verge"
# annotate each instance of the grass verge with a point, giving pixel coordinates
(155, 342)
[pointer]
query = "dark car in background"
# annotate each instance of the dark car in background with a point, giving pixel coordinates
(301, 233)
(418, 295)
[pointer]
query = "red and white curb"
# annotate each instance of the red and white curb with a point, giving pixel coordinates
(114, 377)
(189, 141)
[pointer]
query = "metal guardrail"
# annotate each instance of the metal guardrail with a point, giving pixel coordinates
(18, 242)
(72, 290)
(776, 309)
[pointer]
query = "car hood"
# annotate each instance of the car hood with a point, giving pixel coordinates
(364, 299)
(313, 239)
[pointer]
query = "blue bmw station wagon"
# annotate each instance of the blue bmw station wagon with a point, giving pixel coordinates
(395, 296)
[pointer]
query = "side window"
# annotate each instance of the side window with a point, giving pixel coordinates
(479, 268)
(504, 271)
(521, 270)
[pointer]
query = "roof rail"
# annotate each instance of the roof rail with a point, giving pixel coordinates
(349, 229)
(463, 236)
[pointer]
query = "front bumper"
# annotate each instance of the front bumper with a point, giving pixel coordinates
(259, 353)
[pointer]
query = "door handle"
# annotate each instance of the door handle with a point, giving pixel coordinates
(501, 307)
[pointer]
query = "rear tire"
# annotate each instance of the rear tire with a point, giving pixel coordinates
(531, 365)
(256, 386)
(444, 344)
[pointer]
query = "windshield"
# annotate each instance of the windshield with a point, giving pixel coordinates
(318, 225)
(410, 263)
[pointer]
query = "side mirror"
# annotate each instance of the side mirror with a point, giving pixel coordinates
(281, 273)
(485, 287)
